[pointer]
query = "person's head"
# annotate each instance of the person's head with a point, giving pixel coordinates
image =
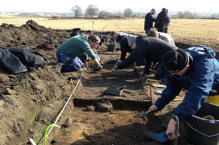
(105, 39)
(153, 11)
(93, 40)
(132, 41)
(176, 62)
(113, 34)
(153, 33)
(118, 38)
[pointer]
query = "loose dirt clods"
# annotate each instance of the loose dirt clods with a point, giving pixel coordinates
(35, 98)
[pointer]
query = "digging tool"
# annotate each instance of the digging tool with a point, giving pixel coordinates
(123, 88)
(161, 138)
(59, 67)
(116, 91)
(141, 114)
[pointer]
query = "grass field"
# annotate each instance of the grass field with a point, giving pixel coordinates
(188, 31)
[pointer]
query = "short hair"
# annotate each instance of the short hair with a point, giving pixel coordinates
(153, 33)
(94, 38)
(112, 33)
(153, 10)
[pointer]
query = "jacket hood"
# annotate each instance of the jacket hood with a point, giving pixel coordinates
(139, 39)
(200, 51)
(83, 37)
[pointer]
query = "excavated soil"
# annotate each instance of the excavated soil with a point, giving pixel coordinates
(31, 101)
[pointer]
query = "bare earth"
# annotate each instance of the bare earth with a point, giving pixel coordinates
(30, 102)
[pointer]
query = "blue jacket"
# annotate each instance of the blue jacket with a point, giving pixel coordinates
(149, 19)
(201, 77)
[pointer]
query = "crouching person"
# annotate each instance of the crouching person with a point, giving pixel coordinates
(75, 47)
(195, 69)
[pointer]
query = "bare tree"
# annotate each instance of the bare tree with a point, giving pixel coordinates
(104, 14)
(91, 11)
(77, 11)
(118, 14)
(127, 13)
(188, 15)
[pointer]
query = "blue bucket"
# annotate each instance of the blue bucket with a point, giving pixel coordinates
(200, 131)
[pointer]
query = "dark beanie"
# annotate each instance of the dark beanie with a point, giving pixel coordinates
(175, 61)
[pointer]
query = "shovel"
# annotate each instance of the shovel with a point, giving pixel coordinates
(59, 67)
(161, 138)
(141, 114)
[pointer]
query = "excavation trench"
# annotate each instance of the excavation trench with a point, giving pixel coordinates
(34, 99)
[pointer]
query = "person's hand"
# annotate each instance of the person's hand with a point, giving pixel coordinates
(99, 67)
(115, 68)
(152, 108)
(171, 129)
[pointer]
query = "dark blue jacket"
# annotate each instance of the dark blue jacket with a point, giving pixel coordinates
(201, 77)
(124, 47)
(149, 19)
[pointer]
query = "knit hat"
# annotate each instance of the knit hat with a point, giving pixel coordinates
(175, 61)
(131, 39)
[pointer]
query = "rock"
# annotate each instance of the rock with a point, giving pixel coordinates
(104, 107)
(3, 78)
(89, 108)
(1, 103)
(8, 91)
(67, 123)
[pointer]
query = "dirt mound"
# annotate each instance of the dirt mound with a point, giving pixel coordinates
(32, 36)
(29, 102)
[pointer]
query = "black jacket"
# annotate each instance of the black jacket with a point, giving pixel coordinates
(21, 60)
(150, 48)
(162, 21)
(124, 47)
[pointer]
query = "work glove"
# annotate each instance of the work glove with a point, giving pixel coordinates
(115, 68)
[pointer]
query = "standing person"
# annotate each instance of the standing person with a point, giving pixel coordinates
(163, 21)
(149, 19)
(197, 70)
(149, 48)
(75, 47)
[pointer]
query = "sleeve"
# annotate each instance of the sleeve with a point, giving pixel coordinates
(86, 47)
(201, 84)
(151, 18)
(173, 89)
(169, 20)
(124, 48)
(135, 55)
(147, 67)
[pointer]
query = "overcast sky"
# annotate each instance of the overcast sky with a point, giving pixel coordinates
(109, 5)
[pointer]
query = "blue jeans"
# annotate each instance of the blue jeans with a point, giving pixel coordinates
(73, 64)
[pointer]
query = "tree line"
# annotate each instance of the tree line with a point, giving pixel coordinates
(92, 11)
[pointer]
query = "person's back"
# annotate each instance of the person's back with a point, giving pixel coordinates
(166, 37)
(150, 48)
(163, 36)
(74, 46)
(162, 21)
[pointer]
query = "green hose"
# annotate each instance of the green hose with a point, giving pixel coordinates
(44, 143)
